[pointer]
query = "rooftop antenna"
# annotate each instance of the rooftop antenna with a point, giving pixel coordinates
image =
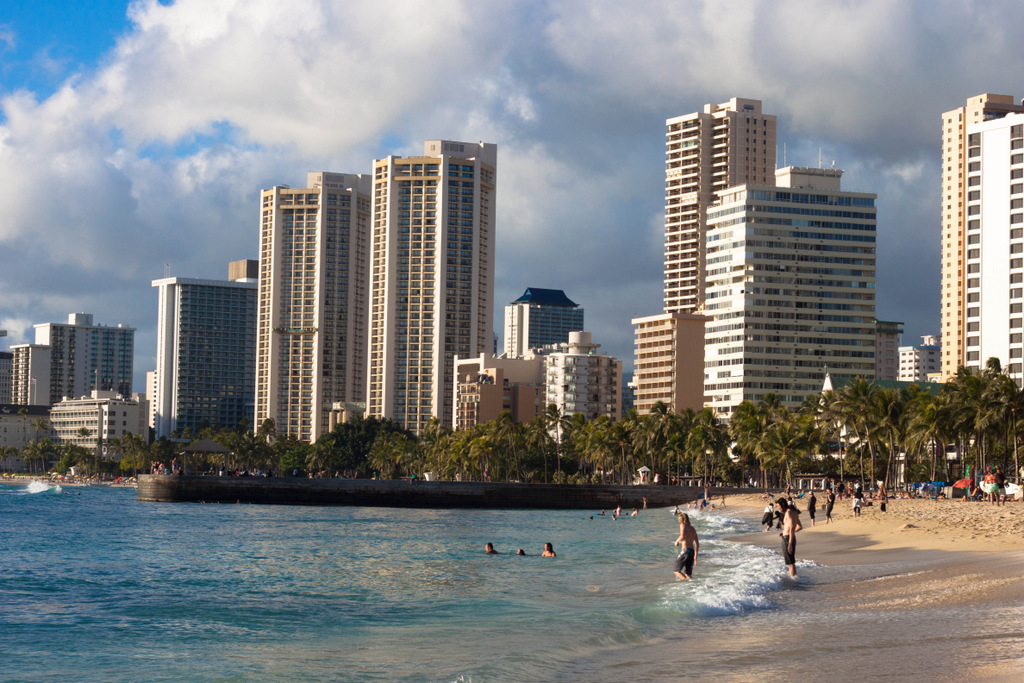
(167, 270)
(819, 157)
(783, 155)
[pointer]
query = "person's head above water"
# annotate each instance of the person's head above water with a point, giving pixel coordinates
(489, 549)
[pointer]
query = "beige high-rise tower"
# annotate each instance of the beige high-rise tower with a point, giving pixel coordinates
(728, 144)
(312, 310)
(957, 155)
(432, 278)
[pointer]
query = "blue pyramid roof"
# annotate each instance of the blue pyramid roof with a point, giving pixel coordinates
(548, 297)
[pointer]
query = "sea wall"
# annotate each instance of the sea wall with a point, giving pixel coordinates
(418, 494)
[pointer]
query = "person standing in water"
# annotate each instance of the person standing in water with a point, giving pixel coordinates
(790, 525)
(691, 545)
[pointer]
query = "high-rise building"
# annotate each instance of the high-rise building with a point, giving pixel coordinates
(669, 367)
(725, 145)
(30, 375)
(539, 317)
(432, 278)
(6, 376)
(921, 363)
(961, 220)
(86, 357)
(887, 344)
(312, 306)
(993, 275)
(791, 288)
(206, 351)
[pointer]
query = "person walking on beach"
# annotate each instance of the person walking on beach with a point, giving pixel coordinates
(830, 501)
(691, 545)
(790, 525)
(858, 500)
(812, 504)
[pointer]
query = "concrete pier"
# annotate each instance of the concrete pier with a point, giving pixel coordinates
(418, 494)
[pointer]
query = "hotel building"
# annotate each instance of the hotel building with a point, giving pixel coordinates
(961, 194)
(993, 282)
(206, 351)
(312, 304)
(432, 277)
(539, 317)
(791, 288)
(725, 145)
(103, 415)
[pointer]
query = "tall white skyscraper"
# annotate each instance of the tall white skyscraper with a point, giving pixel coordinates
(432, 277)
(791, 288)
(311, 340)
(961, 195)
(994, 275)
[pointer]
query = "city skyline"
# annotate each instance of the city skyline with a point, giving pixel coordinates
(133, 139)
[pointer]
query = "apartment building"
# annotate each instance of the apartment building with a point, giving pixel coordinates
(921, 363)
(85, 357)
(669, 367)
(887, 345)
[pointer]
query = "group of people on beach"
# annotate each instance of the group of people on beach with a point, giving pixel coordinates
(549, 551)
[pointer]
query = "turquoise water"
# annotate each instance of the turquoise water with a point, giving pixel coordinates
(96, 585)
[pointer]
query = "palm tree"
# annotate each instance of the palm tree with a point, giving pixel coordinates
(507, 430)
(708, 442)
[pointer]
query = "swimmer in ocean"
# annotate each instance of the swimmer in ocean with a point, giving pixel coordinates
(489, 549)
(548, 551)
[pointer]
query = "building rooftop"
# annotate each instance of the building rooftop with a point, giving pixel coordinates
(547, 297)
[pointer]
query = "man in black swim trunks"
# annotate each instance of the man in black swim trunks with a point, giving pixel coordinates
(790, 525)
(691, 545)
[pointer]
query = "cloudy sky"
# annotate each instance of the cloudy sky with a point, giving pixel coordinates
(138, 134)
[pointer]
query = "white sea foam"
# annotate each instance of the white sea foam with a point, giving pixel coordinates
(40, 487)
(729, 578)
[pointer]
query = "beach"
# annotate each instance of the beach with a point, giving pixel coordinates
(927, 588)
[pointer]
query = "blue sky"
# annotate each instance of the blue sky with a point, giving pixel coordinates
(41, 43)
(138, 134)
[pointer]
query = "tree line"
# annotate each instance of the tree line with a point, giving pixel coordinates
(863, 430)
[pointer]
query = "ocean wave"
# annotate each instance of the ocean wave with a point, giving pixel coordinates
(40, 487)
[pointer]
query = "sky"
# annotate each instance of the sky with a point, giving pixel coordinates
(134, 135)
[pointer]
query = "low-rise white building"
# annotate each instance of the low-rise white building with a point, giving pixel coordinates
(581, 380)
(104, 415)
(921, 363)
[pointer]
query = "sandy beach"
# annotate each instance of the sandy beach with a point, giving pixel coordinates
(926, 589)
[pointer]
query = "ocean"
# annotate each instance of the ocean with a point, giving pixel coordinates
(97, 586)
